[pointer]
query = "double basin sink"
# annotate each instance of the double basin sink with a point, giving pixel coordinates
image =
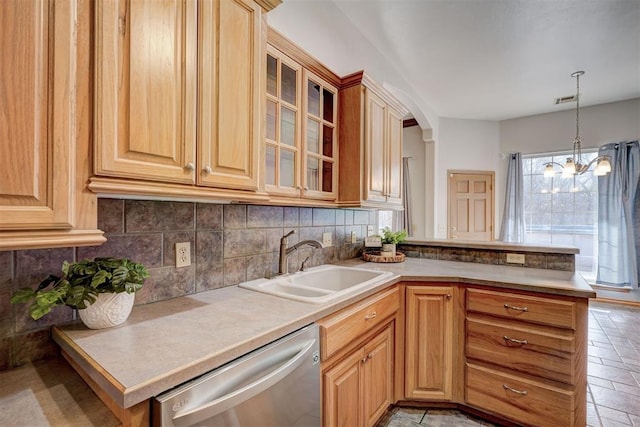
(319, 285)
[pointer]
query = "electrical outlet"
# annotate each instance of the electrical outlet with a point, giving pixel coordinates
(369, 230)
(183, 254)
(326, 239)
(354, 237)
(515, 258)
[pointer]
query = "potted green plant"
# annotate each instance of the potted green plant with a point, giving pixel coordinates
(390, 239)
(102, 291)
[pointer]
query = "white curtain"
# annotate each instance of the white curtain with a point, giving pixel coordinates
(405, 218)
(617, 239)
(512, 229)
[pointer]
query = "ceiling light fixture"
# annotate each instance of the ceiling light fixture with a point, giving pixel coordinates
(574, 165)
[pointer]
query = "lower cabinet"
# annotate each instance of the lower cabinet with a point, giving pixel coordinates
(358, 346)
(430, 334)
(359, 389)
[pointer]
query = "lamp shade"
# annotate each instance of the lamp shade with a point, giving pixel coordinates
(548, 171)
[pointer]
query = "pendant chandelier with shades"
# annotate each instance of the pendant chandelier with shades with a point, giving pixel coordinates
(573, 165)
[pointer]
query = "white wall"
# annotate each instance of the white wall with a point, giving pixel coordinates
(462, 145)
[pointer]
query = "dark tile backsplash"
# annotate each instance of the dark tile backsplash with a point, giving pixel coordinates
(229, 244)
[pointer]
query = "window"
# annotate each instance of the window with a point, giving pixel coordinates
(386, 219)
(562, 211)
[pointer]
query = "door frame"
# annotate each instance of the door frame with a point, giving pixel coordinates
(450, 172)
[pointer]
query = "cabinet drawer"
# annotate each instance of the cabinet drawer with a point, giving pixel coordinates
(533, 309)
(342, 328)
(529, 402)
(523, 348)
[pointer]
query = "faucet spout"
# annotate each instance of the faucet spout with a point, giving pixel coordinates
(285, 250)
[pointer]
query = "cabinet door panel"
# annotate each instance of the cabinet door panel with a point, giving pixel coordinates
(145, 89)
(378, 376)
(230, 105)
(342, 392)
(37, 127)
(394, 176)
(429, 347)
(375, 147)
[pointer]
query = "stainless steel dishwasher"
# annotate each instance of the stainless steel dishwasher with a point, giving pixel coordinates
(276, 385)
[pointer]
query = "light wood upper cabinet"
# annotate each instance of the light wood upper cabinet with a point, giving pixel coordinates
(301, 144)
(180, 97)
(44, 138)
(430, 331)
(36, 115)
(146, 89)
(231, 102)
(370, 144)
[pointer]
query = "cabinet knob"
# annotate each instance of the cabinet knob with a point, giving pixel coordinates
(364, 360)
(306, 188)
(370, 316)
(370, 356)
(206, 170)
(189, 167)
(448, 296)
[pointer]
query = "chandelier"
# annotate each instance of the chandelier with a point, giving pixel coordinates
(574, 165)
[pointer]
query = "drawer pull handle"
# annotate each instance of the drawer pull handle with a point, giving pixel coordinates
(370, 356)
(513, 390)
(370, 316)
(513, 307)
(516, 341)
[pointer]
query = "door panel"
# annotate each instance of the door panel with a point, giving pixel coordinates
(342, 392)
(471, 201)
(146, 89)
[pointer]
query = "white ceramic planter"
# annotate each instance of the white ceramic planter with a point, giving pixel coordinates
(388, 249)
(108, 310)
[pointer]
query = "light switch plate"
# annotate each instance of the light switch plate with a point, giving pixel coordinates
(369, 230)
(326, 239)
(183, 254)
(515, 258)
(354, 237)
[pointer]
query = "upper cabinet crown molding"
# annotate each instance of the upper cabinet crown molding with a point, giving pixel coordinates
(44, 145)
(268, 5)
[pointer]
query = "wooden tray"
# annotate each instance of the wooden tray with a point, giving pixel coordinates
(376, 257)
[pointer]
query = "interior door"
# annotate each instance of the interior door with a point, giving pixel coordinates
(471, 199)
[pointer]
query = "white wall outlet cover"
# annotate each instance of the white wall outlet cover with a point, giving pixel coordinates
(369, 230)
(373, 241)
(326, 239)
(515, 258)
(354, 237)
(183, 254)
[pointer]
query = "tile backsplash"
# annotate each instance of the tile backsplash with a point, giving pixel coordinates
(229, 244)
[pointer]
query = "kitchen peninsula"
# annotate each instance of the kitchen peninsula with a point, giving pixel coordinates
(194, 334)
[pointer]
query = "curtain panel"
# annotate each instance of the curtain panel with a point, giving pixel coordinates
(512, 229)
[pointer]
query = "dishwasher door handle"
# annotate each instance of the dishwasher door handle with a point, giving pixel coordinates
(234, 398)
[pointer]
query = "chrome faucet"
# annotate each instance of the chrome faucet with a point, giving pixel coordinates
(285, 250)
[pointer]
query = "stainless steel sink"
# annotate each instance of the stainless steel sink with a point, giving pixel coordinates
(319, 284)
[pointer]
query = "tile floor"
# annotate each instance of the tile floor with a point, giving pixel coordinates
(613, 398)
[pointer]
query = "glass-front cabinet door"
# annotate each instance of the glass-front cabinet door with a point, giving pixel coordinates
(320, 138)
(283, 137)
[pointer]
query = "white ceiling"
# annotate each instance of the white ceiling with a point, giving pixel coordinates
(475, 59)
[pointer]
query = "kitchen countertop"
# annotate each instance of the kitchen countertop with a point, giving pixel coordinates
(196, 333)
(495, 245)
(50, 392)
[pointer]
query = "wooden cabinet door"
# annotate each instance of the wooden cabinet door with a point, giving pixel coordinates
(231, 93)
(429, 342)
(394, 160)
(378, 376)
(37, 114)
(342, 392)
(375, 147)
(146, 89)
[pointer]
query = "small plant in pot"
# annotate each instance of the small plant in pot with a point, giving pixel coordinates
(101, 290)
(390, 239)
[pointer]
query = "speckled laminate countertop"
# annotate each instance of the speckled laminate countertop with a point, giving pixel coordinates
(169, 342)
